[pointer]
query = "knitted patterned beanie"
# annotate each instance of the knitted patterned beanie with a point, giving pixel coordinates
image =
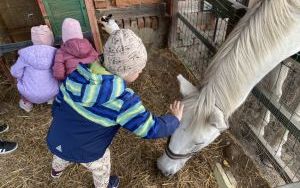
(124, 53)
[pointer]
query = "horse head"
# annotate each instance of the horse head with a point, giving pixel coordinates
(197, 130)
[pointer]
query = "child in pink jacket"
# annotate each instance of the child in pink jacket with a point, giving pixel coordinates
(74, 50)
(32, 70)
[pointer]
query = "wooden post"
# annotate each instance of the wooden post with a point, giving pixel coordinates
(44, 12)
(169, 7)
(94, 25)
(224, 180)
(173, 31)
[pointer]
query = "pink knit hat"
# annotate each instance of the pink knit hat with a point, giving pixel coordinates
(71, 29)
(42, 35)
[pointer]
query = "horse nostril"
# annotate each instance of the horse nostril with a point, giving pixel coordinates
(168, 174)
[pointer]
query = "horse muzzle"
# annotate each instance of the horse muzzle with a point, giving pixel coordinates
(168, 166)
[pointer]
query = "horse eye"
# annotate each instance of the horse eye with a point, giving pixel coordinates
(200, 143)
(197, 146)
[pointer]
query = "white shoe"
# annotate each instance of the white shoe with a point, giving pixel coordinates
(25, 106)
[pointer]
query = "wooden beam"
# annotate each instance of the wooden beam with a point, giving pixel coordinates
(6, 48)
(134, 11)
(44, 12)
(174, 20)
(169, 6)
(94, 25)
(224, 180)
(173, 30)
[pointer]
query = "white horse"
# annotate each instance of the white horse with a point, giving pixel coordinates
(265, 36)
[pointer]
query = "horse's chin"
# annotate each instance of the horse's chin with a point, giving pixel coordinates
(169, 167)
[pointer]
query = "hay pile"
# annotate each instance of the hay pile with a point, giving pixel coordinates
(133, 159)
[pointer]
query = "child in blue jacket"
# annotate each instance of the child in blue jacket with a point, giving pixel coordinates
(94, 102)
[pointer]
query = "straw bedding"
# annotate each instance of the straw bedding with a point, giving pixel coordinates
(133, 159)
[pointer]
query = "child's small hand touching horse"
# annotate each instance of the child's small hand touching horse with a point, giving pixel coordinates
(177, 109)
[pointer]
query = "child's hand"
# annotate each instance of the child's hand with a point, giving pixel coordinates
(177, 109)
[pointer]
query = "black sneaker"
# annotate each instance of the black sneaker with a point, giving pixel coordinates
(7, 147)
(56, 174)
(3, 127)
(113, 182)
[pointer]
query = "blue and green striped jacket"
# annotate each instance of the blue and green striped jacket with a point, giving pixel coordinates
(90, 108)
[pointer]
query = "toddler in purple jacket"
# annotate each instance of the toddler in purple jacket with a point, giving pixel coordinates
(32, 70)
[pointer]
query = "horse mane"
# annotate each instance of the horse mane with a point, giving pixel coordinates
(241, 55)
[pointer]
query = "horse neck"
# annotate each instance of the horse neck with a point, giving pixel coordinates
(261, 40)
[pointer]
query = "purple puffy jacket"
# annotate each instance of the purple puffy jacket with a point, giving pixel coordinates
(33, 71)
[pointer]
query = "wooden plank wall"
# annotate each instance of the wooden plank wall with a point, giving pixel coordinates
(93, 24)
(16, 19)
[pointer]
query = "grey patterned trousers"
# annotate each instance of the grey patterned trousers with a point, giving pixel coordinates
(99, 168)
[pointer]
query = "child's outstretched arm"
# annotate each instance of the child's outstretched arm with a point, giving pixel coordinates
(141, 122)
(59, 70)
(17, 70)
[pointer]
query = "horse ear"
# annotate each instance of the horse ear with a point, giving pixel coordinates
(186, 87)
(217, 119)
